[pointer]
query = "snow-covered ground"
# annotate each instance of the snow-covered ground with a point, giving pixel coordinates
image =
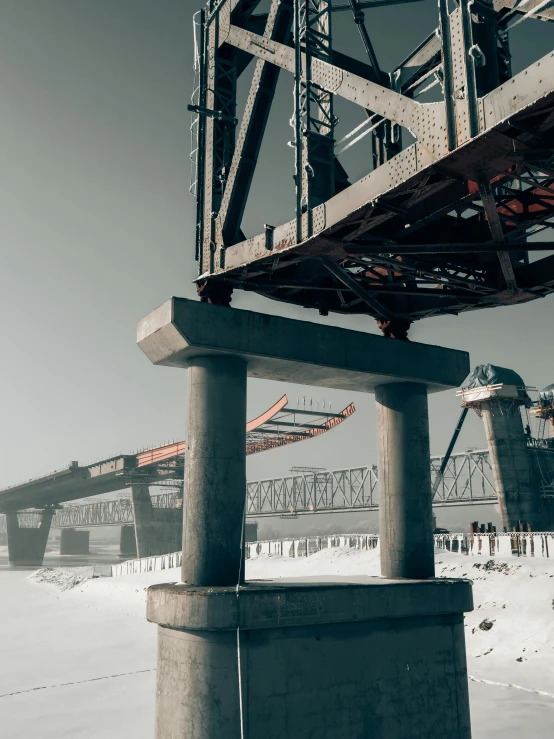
(78, 658)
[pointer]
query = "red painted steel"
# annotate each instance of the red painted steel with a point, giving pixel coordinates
(284, 439)
(177, 449)
(265, 417)
(169, 451)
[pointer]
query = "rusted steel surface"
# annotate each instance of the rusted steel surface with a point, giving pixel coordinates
(396, 244)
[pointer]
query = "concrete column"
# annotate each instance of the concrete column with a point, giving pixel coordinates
(26, 546)
(74, 542)
(251, 531)
(405, 497)
(215, 472)
(143, 516)
(157, 530)
(511, 462)
(127, 542)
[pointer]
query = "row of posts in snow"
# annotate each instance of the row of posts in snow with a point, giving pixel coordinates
(518, 544)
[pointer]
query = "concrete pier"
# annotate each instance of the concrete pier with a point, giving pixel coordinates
(514, 477)
(127, 542)
(349, 658)
(215, 472)
(352, 659)
(26, 547)
(157, 530)
(74, 542)
(405, 496)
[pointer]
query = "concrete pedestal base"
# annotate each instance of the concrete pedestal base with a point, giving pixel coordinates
(349, 659)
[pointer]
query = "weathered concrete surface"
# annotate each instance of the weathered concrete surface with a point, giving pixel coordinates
(287, 350)
(128, 542)
(251, 531)
(303, 601)
(384, 660)
(26, 547)
(512, 465)
(405, 495)
(215, 472)
(74, 542)
(157, 530)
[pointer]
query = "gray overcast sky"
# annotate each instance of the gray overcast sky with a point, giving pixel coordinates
(97, 229)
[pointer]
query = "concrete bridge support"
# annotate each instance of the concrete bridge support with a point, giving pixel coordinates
(405, 497)
(128, 542)
(157, 530)
(26, 547)
(74, 542)
(514, 475)
(215, 472)
(278, 660)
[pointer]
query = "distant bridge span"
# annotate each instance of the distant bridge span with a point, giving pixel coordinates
(279, 426)
(468, 481)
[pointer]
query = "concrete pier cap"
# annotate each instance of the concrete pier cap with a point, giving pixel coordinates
(280, 660)
(288, 350)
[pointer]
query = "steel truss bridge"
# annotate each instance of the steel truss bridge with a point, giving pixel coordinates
(460, 166)
(278, 426)
(468, 480)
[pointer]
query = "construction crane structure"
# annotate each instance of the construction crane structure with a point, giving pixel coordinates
(459, 176)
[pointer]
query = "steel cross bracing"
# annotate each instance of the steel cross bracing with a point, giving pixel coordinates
(438, 225)
(98, 513)
(468, 479)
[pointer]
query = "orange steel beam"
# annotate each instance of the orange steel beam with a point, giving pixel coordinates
(265, 417)
(284, 439)
(177, 449)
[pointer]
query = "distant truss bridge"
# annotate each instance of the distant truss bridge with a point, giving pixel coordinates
(468, 480)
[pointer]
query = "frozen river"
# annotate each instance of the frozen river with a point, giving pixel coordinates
(80, 663)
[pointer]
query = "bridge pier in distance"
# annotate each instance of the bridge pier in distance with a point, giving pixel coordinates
(26, 546)
(73, 541)
(515, 477)
(347, 657)
(127, 542)
(512, 465)
(157, 530)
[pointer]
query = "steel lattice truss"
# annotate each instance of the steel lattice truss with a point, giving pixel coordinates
(98, 513)
(468, 480)
(279, 426)
(454, 187)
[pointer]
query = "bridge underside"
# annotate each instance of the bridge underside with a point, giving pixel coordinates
(454, 190)
(423, 248)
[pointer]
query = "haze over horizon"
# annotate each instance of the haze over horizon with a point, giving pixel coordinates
(98, 230)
